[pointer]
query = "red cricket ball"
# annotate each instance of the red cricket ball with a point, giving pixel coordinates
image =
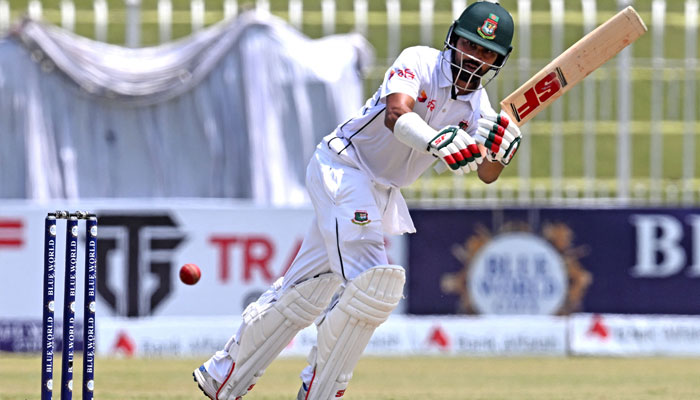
(190, 274)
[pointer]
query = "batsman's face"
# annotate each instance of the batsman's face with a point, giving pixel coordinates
(473, 57)
(471, 64)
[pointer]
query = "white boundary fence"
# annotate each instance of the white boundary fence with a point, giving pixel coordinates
(595, 104)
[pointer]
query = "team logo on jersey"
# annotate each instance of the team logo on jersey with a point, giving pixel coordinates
(402, 73)
(423, 97)
(463, 125)
(488, 29)
(361, 218)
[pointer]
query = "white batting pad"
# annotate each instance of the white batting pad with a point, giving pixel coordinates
(343, 335)
(269, 327)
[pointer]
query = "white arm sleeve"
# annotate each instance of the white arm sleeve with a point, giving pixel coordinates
(411, 130)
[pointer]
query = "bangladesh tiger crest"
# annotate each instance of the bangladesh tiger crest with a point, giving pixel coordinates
(361, 218)
(488, 29)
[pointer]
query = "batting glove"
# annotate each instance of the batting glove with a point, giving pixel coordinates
(456, 149)
(500, 137)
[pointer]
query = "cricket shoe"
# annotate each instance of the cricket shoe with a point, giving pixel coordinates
(207, 384)
(303, 392)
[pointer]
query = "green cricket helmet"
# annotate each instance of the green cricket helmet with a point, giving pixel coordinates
(487, 24)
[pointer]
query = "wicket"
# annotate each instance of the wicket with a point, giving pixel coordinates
(71, 262)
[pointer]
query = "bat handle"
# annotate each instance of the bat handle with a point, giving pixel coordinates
(511, 114)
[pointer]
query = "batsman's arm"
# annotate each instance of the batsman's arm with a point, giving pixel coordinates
(458, 151)
(397, 104)
(489, 171)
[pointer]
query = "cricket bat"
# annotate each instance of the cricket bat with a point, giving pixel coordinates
(574, 64)
(570, 67)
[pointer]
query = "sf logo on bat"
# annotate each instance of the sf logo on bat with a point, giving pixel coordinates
(539, 93)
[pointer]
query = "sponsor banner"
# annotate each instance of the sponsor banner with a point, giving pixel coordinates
(182, 336)
(24, 336)
(634, 335)
(489, 335)
(163, 336)
(400, 335)
(241, 250)
(554, 261)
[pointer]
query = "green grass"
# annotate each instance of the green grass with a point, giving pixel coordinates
(395, 379)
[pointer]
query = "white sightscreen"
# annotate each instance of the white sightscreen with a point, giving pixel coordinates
(232, 111)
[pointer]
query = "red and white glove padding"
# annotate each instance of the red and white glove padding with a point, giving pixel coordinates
(454, 146)
(456, 149)
(499, 136)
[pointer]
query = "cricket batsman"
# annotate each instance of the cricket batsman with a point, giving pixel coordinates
(431, 104)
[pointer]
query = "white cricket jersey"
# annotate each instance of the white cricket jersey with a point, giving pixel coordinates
(420, 73)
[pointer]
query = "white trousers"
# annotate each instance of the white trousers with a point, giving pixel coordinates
(346, 236)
